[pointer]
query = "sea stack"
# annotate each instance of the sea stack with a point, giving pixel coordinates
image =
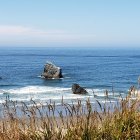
(51, 71)
(77, 89)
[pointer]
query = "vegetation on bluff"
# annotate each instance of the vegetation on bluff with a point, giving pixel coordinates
(72, 122)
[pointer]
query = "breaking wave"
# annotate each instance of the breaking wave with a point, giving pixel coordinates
(45, 93)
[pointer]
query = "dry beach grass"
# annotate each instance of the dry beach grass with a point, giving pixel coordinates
(75, 122)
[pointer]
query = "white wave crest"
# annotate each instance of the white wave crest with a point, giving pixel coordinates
(45, 93)
(35, 90)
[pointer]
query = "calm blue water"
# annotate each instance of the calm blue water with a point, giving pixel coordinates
(94, 69)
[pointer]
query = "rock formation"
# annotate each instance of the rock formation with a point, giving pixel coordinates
(51, 71)
(77, 89)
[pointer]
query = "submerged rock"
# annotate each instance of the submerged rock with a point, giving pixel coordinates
(77, 89)
(0, 78)
(51, 71)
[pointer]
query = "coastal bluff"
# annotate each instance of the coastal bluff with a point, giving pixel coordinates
(51, 71)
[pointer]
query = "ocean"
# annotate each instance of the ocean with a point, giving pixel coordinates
(95, 69)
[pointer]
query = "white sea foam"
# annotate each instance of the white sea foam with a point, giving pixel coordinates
(49, 90)
(35, 90)
(1, 91)
(99, 92)
(45, 93)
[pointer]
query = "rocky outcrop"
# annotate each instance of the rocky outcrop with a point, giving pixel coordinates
(51, 71)
(77, 89)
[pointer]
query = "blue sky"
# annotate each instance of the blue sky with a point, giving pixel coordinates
(70, 23)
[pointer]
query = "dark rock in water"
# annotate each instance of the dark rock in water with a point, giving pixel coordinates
(0, 78)
(77, 89)
(51, 71)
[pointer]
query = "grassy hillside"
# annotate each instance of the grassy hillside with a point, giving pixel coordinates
(73, 122)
